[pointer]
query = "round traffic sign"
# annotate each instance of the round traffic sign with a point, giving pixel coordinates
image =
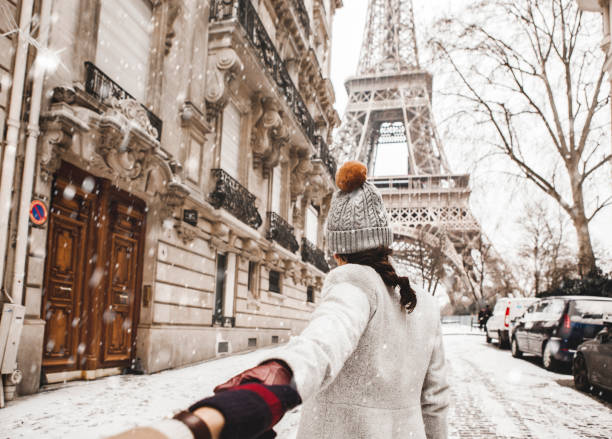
(38, 212)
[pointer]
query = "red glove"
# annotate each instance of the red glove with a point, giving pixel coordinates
(271, 373)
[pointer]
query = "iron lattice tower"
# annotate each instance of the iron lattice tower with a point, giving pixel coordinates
(390, 103)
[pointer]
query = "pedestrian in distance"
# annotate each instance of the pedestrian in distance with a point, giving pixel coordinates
(369, 365)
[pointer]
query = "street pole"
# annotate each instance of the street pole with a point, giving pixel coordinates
(12, 132)
(29, 164)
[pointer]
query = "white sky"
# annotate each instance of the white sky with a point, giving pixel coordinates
(496, 208)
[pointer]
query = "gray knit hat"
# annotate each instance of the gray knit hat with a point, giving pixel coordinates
(357, 219)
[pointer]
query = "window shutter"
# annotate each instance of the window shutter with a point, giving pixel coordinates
(312, 225)
(230, 140)
(124, 43)
(276, 189)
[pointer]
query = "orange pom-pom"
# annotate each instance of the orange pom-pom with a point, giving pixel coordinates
(351, 176)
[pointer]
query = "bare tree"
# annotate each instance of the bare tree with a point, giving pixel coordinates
(534, 80)
(544, 249)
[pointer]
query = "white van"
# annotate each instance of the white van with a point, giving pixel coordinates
(506, 310)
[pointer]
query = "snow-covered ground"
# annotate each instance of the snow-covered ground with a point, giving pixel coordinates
(493, 395)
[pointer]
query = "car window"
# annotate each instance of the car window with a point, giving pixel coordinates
(550, 309)
(593, 310)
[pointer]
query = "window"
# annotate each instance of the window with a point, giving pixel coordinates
(252, 280)
(220, 287)
(275, 339)
(274, 282)
(252, 342)
(276, 190)
(310, 294)
(230, 140)
(123, 49)
(312, 225)
(591, 309)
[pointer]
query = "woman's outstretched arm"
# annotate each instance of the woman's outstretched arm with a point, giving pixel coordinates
(318, 354)
(434, 396)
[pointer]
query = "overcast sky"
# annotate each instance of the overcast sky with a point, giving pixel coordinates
(496, 208)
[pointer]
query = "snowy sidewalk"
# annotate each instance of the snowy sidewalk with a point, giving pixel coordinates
(106, 406)
(493, 396)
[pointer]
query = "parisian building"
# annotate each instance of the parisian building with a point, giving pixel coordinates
(179, 148)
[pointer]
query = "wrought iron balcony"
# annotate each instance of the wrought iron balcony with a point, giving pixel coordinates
(262, 44)
(101, 86)
(324, 155)
(314, 255)
(281, 231)
(302, 14)
(235, 198)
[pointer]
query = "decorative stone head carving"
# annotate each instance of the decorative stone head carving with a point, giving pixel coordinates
(270, 134)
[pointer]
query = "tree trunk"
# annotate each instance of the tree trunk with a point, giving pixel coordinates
(586, 258)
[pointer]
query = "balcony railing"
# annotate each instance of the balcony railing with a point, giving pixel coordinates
(281, 231)
(325, 156)
(101, 86)
(313, 255)
(302, 14)
(235, 198)
(259, 39)
(424, 183)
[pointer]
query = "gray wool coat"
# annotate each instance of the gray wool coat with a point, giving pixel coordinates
(364, 368)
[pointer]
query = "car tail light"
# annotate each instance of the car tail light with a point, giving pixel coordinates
(567, 323)
(507, 317)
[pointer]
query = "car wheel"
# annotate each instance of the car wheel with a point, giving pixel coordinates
(489, 339)
(581, 377)
(501, 343)
(516, 352)
(548, 361)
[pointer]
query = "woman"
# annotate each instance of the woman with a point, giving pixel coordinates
(370, 364)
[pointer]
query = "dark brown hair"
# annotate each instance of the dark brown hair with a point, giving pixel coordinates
(378, 259)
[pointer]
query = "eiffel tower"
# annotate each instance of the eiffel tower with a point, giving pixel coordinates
(388, 123)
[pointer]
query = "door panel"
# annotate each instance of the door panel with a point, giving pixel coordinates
(63, 289)
(93, 274)
(126, 233)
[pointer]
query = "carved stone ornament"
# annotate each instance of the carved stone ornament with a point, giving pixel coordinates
(126, 138)
(270, 134)
(174, 9)
(173, 198)
(222, 68)
(186, 232)
(318, 186)
(301, 166)
(58, 126)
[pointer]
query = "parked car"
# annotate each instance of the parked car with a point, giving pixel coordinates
(592, 365)
(507, 310)
(552, 328)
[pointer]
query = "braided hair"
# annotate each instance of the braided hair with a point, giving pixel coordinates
(378, 259)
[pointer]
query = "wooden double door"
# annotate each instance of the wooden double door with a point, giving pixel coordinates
(93, 274)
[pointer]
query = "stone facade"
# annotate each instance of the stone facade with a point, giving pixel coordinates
(226, 148)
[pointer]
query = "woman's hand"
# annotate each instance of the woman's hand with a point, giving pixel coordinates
(271, 373)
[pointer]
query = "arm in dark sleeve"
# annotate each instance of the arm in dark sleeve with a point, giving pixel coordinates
(252, 409)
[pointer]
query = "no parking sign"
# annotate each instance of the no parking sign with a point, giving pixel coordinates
(38, 212)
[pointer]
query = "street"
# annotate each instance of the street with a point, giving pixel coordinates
(493, 395)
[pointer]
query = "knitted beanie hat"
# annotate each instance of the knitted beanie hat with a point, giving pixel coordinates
(357, 219)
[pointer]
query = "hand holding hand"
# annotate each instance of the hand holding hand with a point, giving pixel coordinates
(271, 373)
